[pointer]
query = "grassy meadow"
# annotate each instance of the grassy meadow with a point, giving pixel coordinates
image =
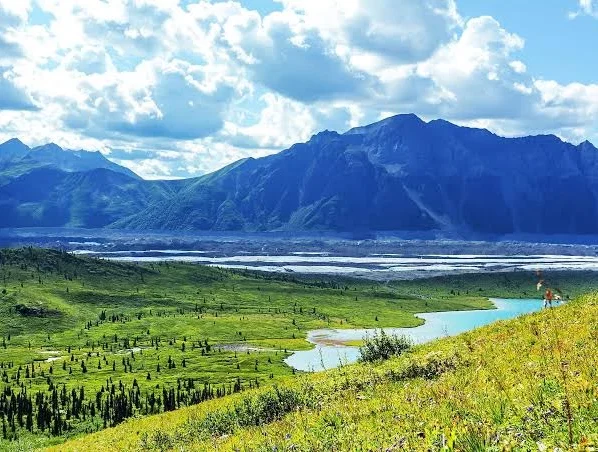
(525, 384)
(88, 344)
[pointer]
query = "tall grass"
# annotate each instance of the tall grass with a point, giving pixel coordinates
(253, 410)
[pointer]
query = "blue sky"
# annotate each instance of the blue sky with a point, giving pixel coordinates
(178, 88)
(555, 48)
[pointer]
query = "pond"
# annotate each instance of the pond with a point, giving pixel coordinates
(329, 351)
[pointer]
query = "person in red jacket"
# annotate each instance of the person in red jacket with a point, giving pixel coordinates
(548, 296)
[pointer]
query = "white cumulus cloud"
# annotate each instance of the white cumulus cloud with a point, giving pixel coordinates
(190, 86)
(589, 7)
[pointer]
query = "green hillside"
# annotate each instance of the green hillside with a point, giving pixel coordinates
(111, 340)
(33, 194)
(524, 384)
(86, 344)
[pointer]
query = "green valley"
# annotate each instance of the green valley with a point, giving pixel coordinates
(526, 384)
(88, 344)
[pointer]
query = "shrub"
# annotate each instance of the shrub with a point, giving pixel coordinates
(250, 411)
(381, 347)
(431, 366)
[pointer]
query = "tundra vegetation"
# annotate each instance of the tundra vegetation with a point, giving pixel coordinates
(189, 356)
(525, 384)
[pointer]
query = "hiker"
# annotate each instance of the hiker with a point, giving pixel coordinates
(548, 298)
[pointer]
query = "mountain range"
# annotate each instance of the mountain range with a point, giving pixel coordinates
(399, 174)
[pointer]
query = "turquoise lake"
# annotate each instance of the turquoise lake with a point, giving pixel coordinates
(437, 325)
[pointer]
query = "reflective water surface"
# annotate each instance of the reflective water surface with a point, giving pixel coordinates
(437, 325)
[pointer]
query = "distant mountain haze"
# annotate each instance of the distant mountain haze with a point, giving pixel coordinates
(399, 174)
(14, 151)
